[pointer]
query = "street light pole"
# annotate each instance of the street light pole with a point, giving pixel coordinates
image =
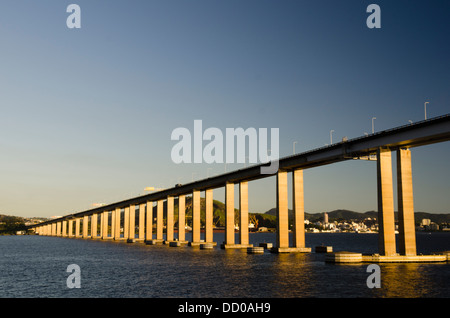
(425, 105)
(293, 150)
(373, 128)
(331, 137)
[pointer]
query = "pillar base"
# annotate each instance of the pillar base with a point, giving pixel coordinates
(290, 250)
(131, 240)
(175, 243)
(255, 250)
(208, 245)
(404, 259)
(351, 257)
(154, 242)
(194, 244)
(344, 257)
(235, 246)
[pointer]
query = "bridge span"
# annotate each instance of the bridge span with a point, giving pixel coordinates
(380, 146)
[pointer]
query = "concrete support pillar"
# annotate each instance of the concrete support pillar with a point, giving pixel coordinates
(105, 225)
(113, 224)
(77, 227)
(126, 222)
(141, 235)
(386, 236)
(299, 208)
(85, 226)
(53, 229)
(243, 213)
(132, 223)
(94, 223)
(149, 221)
(159, 220)
(117, 213)
(101, 225)
(70, 229)
(170, 217)
(58, 228)
(196, 216)
(64, 229)
(229, 214)
(406, 225)
(182, 218)
(282, 240)
(209, 215)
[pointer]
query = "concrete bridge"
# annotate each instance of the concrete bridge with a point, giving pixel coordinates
(379, 145)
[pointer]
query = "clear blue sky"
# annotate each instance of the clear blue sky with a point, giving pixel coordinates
(87, 114)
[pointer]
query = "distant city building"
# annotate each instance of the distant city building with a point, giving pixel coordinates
(425, 222)
(325, 218)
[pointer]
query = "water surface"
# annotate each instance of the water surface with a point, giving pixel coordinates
(35, 266)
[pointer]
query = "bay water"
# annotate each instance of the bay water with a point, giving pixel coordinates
(34, 266)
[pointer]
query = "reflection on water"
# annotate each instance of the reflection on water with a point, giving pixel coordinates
(33, 266)
(413, 280)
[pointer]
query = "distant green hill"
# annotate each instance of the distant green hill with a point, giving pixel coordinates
(337, 215)
(10, 224)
